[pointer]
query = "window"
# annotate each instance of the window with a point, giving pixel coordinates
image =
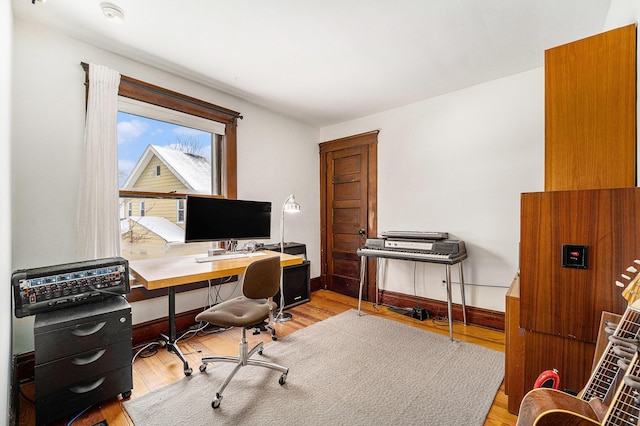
(152, 139)
(170, 145)
(180, 211)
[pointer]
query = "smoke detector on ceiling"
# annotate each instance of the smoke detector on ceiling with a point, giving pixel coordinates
(112, 12)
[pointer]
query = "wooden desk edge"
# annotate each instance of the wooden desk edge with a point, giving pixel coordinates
(148, 272)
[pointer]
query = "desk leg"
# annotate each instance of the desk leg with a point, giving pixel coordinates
(172, 345)
(449, 311)
(363, 267)
(464, 306)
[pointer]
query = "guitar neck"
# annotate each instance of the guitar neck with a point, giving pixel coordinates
(624, 409)
(603, 379)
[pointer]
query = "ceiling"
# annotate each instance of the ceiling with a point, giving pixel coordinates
(329, 61)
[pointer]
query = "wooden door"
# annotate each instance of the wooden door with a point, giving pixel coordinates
(348, 204)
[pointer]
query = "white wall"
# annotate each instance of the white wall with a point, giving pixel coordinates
(622, 13)
(48, 125)
(6, 27)
(458, 163)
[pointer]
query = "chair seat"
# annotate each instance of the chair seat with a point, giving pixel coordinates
(237, 312)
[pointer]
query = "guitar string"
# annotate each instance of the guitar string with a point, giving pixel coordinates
(601, 382)
(625, 409)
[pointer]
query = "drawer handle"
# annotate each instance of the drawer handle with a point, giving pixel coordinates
(86, 330)
(87, 388)
(88, 359)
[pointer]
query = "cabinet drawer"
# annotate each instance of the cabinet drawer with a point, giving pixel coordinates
(73, 369)
(92, 332)
(73, 399)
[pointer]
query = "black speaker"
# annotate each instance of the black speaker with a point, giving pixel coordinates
(296, 284)
(289, 248)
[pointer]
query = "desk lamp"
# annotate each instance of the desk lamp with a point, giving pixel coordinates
(290, 206)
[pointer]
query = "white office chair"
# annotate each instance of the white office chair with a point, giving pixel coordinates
(260, 282)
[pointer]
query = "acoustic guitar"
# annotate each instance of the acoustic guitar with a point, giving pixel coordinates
(550, 407)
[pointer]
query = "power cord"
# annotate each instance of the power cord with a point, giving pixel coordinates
(148, 354)
(78, 416)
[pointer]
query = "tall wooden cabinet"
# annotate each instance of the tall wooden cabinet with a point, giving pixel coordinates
(560, 307)
(590, 199)
(590, 112)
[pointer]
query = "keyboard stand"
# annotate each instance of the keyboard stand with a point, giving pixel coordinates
(363, 267)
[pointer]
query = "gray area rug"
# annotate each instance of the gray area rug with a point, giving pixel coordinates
(345, 370)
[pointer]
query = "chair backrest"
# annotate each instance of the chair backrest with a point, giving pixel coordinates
(261, 279)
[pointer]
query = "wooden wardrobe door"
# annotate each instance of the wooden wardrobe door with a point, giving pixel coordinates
(590, 112)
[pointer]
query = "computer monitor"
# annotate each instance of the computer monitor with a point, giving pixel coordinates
(223, 219)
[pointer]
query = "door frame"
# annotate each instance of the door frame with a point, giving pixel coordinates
(369, 139)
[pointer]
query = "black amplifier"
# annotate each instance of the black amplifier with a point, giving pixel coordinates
(53, 287)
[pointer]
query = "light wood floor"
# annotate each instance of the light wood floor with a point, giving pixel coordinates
(155, 371)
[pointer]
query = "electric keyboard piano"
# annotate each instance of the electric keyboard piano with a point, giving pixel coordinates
(441, 251)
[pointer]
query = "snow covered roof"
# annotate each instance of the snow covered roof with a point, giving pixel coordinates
(162, 227)
(192, 170)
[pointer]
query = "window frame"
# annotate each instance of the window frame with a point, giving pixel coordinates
(165, 98)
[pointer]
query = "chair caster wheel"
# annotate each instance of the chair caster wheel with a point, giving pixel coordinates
(216, 402)
(203, 368)
(283, 379)
(274, 338)
(188, 371)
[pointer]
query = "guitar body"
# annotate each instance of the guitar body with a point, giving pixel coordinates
(550, 407)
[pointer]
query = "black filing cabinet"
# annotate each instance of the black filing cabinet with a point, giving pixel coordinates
(296, 279)
(82, 357)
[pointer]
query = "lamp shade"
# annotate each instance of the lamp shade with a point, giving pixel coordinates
(290, 205)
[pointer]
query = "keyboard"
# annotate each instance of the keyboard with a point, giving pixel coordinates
(227, 256)
(413, 255)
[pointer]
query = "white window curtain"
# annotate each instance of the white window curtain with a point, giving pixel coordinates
(98, 209)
